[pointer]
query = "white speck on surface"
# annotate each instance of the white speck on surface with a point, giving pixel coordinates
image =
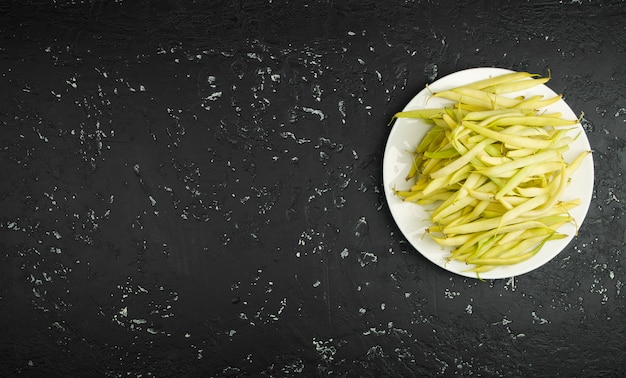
(253, 55)
(431, 70)
(341, 106)
(510, 284)
(344, 253)
(469, 309)
(367, 258)
(361, 227)
(214, 96)
(283, 304)
(537, 319)
(375, 351)
(325, 349)
(317, 92)
(504, 322)
(451, 294)
(316, 112)
(374, 331)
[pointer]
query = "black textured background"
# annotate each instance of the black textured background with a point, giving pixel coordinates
(193, 189)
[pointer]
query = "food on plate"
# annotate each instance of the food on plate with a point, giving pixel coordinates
(492, 169)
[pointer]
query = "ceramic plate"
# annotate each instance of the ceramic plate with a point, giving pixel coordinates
(413, 219)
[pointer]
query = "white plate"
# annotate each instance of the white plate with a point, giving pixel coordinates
(413, 219)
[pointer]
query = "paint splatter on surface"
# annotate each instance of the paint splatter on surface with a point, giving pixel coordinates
(195, 189)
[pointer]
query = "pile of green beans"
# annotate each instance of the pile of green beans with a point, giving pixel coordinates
(492, 167)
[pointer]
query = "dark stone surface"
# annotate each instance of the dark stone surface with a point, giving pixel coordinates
(194, 189)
